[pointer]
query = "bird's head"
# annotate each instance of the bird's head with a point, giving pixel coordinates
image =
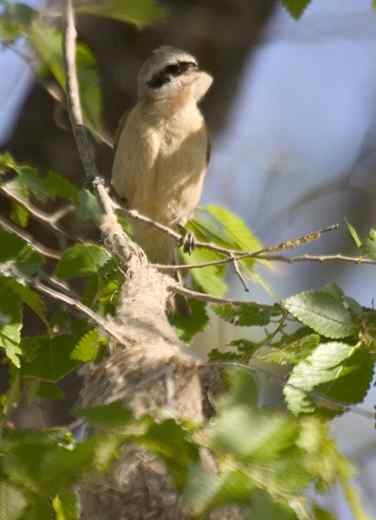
(171, 74)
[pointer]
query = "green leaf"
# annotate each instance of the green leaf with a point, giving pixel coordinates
(252, 436)
(207, 491)
(369, 246)
(174, 445)
(189, 326)
(80, 260)
(353, 233)
(219, 225)
(31, 298)
(19, 215)
(10, 324)
(246, 314)
(14, 20)
(88, 208)
(57, 186)
(52, 357)
(326, 364)
(50, 391)
(66, 506)
(112, 415)
(210, 279)
(296, 7)
(265, 507)
(47, 42)
(291, 352)
(234, 230)
(10, 246)
(89, 345)
(137, 12)
(322, 312)
(13, 501)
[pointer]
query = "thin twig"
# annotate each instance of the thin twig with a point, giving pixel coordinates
(238, 273)
(318, 258)
(76, 304)
(209, 298)
(51, 220)
(85, 150)
(40, 248)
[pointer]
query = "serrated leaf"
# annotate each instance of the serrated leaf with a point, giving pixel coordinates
(81, 260)
(296, 7)
(10, 324)
(189, 326)
(245, 314)
(52, 357)
(112, 415)
(13, 501)
(323, 313)
(88, 347)
(326, 364)
(290, 353)
(137, 12)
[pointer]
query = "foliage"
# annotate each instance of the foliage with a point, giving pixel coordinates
(323, 341)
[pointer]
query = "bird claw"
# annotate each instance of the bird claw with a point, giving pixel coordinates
(188, 242)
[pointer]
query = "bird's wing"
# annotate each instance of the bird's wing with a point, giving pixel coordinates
(136, 152)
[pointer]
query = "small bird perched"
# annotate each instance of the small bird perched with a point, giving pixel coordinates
(163, 149)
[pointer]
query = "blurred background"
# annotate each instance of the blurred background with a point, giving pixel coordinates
(293, 121)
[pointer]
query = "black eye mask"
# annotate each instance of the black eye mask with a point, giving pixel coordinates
(169, 72)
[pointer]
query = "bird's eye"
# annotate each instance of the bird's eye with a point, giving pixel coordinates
(170, 71)
(174, 69)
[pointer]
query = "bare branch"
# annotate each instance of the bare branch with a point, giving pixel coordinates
(209, 298)
(51, 220)
(73, 102)
(40, 248)
(74, 303)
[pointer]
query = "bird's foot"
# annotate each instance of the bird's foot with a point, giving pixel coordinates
(188, 241)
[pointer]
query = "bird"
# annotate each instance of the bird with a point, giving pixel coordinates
(163, 149)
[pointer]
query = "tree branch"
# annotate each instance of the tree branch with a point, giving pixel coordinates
(40, 248)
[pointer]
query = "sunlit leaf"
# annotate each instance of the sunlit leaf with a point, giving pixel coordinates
(80, 260)
(323, 312)
(89, 345)
(137, 12)
(10, 324)
(326, 364)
